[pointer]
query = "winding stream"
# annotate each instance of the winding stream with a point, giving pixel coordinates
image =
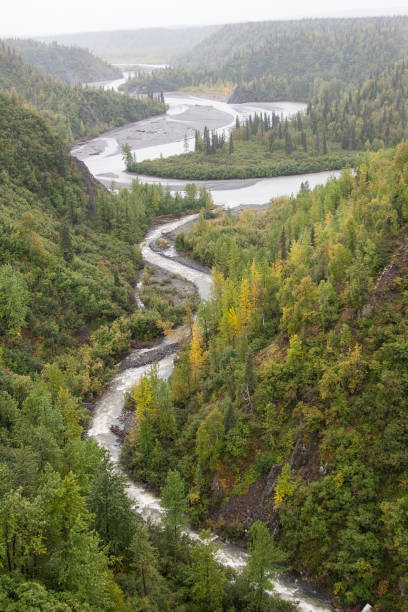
(109, 407)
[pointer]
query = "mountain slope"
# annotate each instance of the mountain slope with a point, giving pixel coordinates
(288, 60)
(159, 45)
(284, 58)
(70, 539)
(62, 280)
(68, 64)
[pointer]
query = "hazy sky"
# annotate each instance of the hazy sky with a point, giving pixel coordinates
(40, 17)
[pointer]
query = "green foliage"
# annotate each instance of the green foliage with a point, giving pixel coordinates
(262, 58)
(249, 160)
(209, 439)
(69, 539)
(69, 64)
(14, 298)
(206, 576)
(144, 559)
(263, 561)
(174, 503)
(113, 517)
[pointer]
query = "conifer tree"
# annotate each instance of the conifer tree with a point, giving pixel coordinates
(263, 561)
(174, 503)
(66, 242)
(206, 576)
(143, 557)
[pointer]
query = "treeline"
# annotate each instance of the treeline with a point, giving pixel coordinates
(72, 110)
(162, 79)
(289, 404)
(71, 65)
(372, 116)
(262, 58)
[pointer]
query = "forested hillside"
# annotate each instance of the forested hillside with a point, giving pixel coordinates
(74, 111)
(69, 539)
(287, 60)
(154, 45)
(69, 64)
(289, 404)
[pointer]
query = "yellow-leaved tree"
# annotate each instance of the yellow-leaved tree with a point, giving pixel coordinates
(196, 352)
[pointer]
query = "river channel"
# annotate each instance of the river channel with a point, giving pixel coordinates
(103, 158)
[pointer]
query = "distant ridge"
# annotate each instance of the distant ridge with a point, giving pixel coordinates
(68, 64)
(156, 45)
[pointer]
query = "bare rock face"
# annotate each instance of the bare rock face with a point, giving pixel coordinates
(388, 283)
(238, 96)
(246, 509)
(258, 502)
(272, 481)
(90, 183)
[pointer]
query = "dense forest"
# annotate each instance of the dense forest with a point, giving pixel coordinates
(69, 538)
(73, 110)
(71, 65)
(153, 45)
(262, 58)
(289, 404)
(335, 127)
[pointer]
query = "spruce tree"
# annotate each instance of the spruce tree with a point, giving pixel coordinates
(66, 242)
(206, 576)
(174, 504)
(263, 561)
(282, 242)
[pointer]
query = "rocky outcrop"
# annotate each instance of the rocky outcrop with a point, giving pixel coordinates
(238, 96)
(248, 508)
(90, 183)
(388, 284)
(136, 359)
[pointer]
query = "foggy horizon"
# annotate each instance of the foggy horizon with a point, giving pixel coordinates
(45, 19)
